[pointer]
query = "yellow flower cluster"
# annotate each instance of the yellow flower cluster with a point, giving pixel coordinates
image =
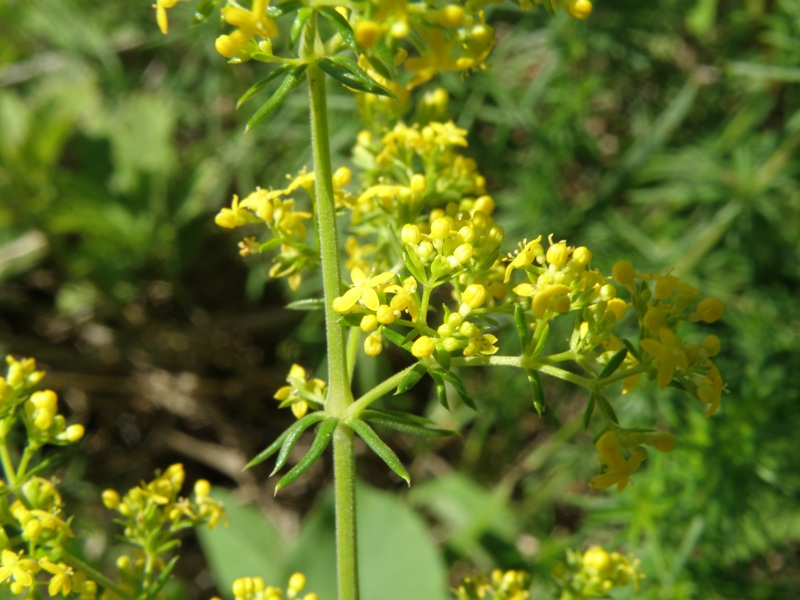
(499, 585)
(662, 303)
(254, 588)
(249, 24)
(622, 453)
(276, 209)
(301, 392)
(595, 573)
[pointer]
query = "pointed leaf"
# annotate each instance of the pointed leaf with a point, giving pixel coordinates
(299, 23)
(542, 340)
(379, 447)
(411, 379)
(382, 60)
(613, 364)
(284, 8)
(307, 304)
(537, 391)
(441, 390)
(293, 434)
(261, 84)
(293, 79)
(587, 414)
(269, 245)
(397, 339)
(269, 450)
(607, 409)
(405, 423)
(324, 435)
(347, 72)
(163, 577)
(342, 26)
(415, 267)
(522, 327)
(455, 381)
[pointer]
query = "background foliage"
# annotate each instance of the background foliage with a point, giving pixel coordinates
(666, 133)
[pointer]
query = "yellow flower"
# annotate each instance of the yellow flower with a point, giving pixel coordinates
(235, 216)
(528, 252)
(301, 391)
(404, 297)
(61, 581)
(619, 469)
(669, 354)
(363, 290)
(484, 344)
(161, 7)
(21, 570)
(249, 23)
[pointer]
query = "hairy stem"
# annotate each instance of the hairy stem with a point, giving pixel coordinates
(339, 396)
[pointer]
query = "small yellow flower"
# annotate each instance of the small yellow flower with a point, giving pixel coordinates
(528, 252)
(235, 216)
(363, 290)
(21, 570)
(668, 353)
(619, 468)
(301, 391)
(161, 7)
(61, 581)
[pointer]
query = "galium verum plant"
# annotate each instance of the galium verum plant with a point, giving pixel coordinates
(428, 269)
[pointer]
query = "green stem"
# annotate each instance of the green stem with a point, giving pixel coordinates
(8, 464)
(340, 396)
(524, 363)
(95, 575)
(383, 388)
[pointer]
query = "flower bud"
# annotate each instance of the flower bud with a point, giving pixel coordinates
(557, 254)
(712, 345)
(623, 272)
(368, 323)
(463, 253)
(418, 183)
(410, 234)
(710, 310)
(474, 295)
(373, 344)
(485, 204)
(367, 33)
(423, 346)
(202, 488)
(110, 499)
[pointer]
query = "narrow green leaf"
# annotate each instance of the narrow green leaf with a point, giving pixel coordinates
(324, 435)
(522, 327)
(415, 267)
(400, 422)
(441, 390)
(294, 432)
(537, 391)
(632, 349)
(307, 304)
(397, 339)
(607, 409)
(382, 60)
(204, 9)
(379, 447)
(587, 414)
(299, 23)
(269, 450)
(613, 364)
(443, 358)
(269, 245)
(163, 577)
(293, 79)
(455, 381)
(261, 84)
(542, 340)
(411, 379)
(284, 8)
(347, 72)
(342, 26)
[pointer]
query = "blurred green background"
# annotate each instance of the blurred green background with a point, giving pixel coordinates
(666, 133)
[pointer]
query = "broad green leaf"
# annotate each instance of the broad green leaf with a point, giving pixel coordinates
(250, 546)
(379, 447)
(324, 435)
(402, 563)
(342, 26)
(293, 435)
(293, 79)
(347, 72)
(261, 84)
(411, 379)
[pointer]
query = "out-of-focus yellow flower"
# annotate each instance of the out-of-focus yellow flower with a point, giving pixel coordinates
(668, 353)
(161, 7)
(619, 468)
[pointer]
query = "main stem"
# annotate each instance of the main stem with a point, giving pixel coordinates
(339, 396)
